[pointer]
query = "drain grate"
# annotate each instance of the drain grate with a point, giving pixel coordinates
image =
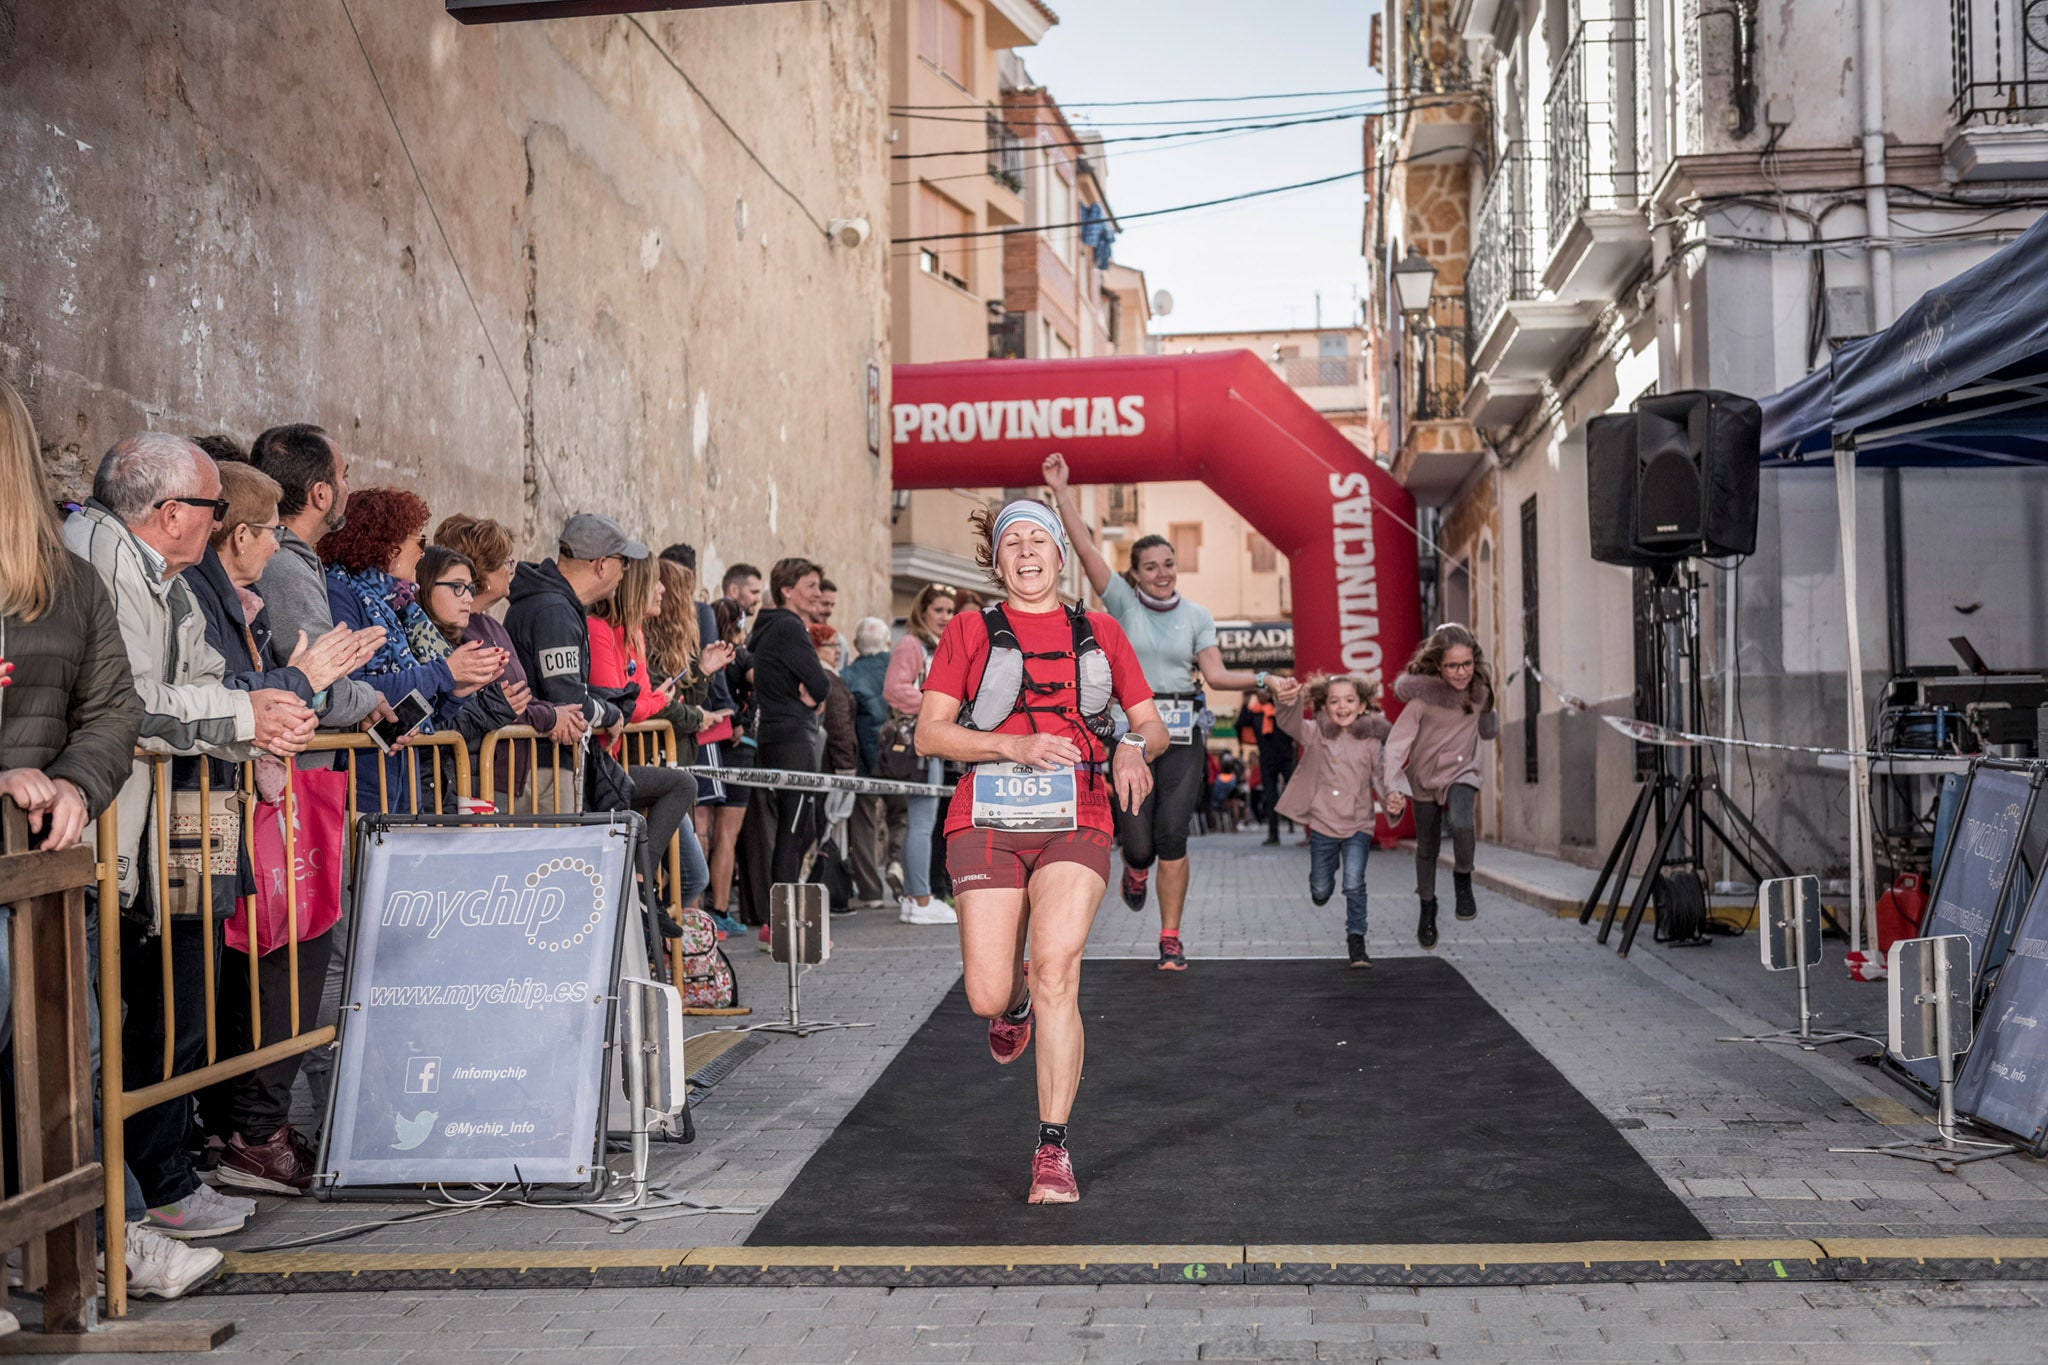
(727, 1052)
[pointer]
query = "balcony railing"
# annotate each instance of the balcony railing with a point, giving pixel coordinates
(1598, 144)
(1319, 372)
(1507, 240)
(1999, 52)
(1438, 351)
(1005, 156)
(1432, 53)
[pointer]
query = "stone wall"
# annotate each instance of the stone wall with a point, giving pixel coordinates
(588, 296)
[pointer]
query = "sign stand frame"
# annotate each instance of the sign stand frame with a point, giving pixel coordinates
(1947, 1151)
(1804, 915)
(646, 1197)
(795, 905)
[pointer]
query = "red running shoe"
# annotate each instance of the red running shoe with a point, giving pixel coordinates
(1007, 1037)
(1171, 958)
(1052, 1177)
(1134, 886)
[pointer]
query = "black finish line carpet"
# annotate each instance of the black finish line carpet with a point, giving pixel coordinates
(1243, 1101)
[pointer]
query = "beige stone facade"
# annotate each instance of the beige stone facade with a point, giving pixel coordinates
(592, 297)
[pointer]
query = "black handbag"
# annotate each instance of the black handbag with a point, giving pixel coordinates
(606, 783)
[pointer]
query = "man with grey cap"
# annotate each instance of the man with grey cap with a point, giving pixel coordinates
(547, 620)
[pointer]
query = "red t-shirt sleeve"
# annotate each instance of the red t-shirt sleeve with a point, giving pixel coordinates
(1127, 676)
(957, 662)
(607, 668)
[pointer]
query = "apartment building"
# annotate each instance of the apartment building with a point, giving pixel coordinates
(1586, 202)
(981, 148)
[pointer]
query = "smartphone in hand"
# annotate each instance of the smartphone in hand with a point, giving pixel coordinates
(410, 713)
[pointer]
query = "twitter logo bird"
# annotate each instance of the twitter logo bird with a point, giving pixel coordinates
(413, 1131)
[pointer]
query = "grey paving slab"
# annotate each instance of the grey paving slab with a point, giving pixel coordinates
(1740, 1132)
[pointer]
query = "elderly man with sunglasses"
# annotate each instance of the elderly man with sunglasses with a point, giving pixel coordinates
(155, 501)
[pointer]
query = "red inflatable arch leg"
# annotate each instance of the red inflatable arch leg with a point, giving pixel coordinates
(1223, 418)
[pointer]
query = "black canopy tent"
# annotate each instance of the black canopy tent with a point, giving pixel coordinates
(1960, 380)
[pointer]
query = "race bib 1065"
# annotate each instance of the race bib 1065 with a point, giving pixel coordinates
(1016, 797)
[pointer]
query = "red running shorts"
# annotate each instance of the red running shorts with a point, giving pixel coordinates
(1003, 860)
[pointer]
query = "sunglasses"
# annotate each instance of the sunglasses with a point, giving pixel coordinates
(219, 505)
(275, 529)
(461, 587)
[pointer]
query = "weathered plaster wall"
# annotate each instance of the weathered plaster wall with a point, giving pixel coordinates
(212, 226)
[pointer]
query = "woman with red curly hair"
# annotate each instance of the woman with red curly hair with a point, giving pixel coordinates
(372, 560)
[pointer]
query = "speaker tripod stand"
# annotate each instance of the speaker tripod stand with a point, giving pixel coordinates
(1678, 800)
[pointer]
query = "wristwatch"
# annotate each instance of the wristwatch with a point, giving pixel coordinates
(1132, 737)
(1259, 679)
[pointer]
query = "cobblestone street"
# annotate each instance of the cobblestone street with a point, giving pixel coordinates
(1739, 1131)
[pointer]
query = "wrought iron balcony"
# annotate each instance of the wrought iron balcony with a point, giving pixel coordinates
(1598, 116)
(1508, 244)
(1438, 353)
(1999, 56)
(1432, 53)
(1005, 155)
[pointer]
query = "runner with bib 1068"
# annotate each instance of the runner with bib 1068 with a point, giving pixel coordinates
(1175, 641)
(1022, 691)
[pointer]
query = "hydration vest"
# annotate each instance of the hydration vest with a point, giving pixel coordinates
(1005, 688)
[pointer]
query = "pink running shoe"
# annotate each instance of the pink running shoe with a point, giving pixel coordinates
(1007, 1037)
(1052, 1177)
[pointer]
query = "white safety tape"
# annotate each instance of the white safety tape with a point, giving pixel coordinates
(1646, 732)
(781, 779)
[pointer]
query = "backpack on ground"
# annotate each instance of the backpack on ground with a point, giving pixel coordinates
(706, 980)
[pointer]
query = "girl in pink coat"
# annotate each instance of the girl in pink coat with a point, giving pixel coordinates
(1341, 769)
(1433, 758)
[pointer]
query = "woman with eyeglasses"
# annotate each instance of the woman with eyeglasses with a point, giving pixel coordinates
(248, 1114)
(373, 562)
(1433, 757)
(487, 545)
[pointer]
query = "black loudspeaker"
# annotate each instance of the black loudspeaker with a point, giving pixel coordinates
(1675, 478)
(1611, 493)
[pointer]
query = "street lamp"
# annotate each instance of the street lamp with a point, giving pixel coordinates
(1414, 281)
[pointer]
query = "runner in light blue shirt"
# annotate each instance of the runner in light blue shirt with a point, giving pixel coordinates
(1175, 641)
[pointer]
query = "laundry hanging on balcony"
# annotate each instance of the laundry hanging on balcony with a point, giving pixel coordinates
(1097, 233)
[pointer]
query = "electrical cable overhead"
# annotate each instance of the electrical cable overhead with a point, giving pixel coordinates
(744, 145)
(1122, 218)
(1126, 217)
(1428, 102)
(1123, 158)
(995, 112)
(511, 389)
(1190, 99)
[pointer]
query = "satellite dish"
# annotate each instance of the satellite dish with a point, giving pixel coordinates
(1162, 303)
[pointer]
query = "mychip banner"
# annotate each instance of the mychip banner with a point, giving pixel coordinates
(482, 967)
(1981, 875)
(2005, 1080)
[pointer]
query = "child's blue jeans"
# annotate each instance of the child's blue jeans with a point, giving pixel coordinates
(1324, 853)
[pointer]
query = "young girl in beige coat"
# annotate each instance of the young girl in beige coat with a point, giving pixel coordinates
(1331, 795)
(1433, 757)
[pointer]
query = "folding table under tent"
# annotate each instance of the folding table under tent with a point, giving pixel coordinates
(1959, 380)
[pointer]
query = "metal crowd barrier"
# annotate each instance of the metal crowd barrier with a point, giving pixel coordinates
(59, 1183)
(450, 787)
(511, 759)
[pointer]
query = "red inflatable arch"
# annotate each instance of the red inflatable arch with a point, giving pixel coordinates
(1224, 418)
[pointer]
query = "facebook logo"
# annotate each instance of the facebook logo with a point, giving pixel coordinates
(422, 1075)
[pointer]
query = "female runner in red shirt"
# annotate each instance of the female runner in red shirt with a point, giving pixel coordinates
(1028, 832)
